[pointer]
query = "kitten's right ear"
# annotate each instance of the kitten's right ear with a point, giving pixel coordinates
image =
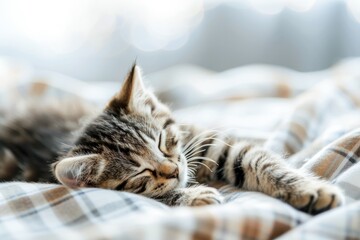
(131, 89)
(79, 171)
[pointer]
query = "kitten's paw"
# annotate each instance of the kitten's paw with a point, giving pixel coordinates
(314, 198)
(328, 197)
(205, 196)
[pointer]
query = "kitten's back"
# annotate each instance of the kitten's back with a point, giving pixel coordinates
(34, 133)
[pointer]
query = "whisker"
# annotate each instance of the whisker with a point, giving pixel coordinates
(198, 142)
(198, 148)
(192, 179)
(195, 138)
(190, 165)
(225, 143)
(193, 182)
(193, 165)
(216, 139)
(194, 153)
(195, 143)
(204, 165)
(202, 158)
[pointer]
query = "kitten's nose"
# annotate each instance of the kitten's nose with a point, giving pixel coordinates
(169, 171)
(174, 174)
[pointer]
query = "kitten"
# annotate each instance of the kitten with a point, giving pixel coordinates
(135, 145)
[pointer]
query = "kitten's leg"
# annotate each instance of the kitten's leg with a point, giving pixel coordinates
(249, 167)
(192, 196)
(253, 168)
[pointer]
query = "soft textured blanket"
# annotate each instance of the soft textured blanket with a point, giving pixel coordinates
(312, 119)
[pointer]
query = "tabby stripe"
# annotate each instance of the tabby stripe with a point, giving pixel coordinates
(280, 178)
(138, 133)
(92, 133)
(150, 134)
(133, 162)
(142, 189)
(206, 148)
(84, 149)
(258, 160)
(221, 162)
(119, 148)
(239, 172)
(121, 185)
(87, 143)
(168, 122)
(141, 136)
(238, 168)
(265, 166)
(129, 161)
(147, 131)
(291, 180)
(130, 129)
(175, 198)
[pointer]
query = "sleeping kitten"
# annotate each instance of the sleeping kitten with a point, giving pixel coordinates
(136, 145)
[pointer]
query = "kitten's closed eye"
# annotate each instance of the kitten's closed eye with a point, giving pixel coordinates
(168, 141)
(142, 171)
(147, 170)
(162, 143)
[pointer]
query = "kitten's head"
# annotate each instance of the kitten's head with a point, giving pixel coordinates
(133, 145)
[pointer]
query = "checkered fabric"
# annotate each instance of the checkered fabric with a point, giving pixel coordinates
(44, 211)
(315, 125)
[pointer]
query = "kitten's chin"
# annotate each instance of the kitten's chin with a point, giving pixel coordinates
(183, 177)
(181, 184)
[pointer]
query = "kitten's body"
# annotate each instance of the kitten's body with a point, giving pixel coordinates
(35, 134)
(135, 145)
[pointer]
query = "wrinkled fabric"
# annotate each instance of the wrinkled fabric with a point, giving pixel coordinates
(315, 126)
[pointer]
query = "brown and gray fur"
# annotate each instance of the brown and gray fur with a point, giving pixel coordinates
(134, 144)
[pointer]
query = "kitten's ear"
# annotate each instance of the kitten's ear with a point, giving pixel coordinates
(131, 89)
(78, 171)
(134, 97)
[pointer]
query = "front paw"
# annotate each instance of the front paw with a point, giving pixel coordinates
(314, 197)
(202, 195)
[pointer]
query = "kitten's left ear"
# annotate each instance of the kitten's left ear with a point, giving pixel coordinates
(131, 89)
(78, 171)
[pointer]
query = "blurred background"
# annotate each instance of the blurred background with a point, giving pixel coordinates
(96, 40)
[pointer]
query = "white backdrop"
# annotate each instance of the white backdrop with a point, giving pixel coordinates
(87, 40)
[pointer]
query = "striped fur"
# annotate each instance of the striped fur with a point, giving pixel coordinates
(248, 166)
(135, 145)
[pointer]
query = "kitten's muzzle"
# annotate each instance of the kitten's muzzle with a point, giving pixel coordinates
(168, 170)
(174, 174)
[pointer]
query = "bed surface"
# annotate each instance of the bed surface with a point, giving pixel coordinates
(313, 119)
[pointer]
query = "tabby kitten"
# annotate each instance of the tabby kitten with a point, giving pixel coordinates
(135, 145)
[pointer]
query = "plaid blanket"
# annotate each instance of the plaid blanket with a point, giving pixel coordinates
(315, 125)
